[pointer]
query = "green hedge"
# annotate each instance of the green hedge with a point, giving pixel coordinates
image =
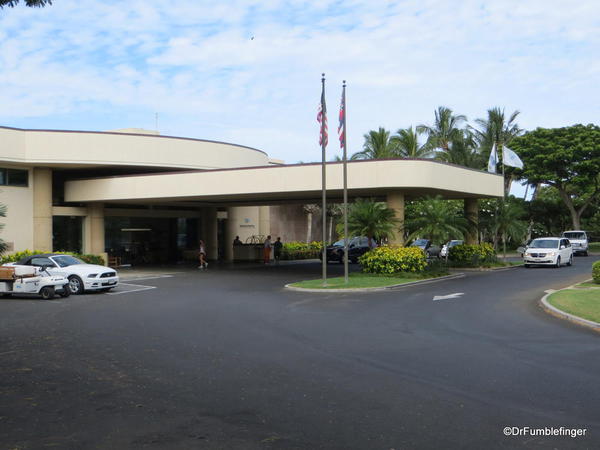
(393, 259)
(90, 259)
(596, 272)
(466, 255)
(301, 250)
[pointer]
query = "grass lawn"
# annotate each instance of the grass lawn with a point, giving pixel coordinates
(588, 284)
(579, 302)
(594, 246)
(360, 280)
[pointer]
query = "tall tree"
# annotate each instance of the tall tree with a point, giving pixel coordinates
(500, 130)
(377, 146)
(445, 127)
(310, 209)
(508, 223)
(406, 142)
(566, 158)
(30, 3)
(372, 219)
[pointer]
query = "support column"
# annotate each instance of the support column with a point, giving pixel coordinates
(264, 220)
(42, 209)
(472, 215)
(95, 219)
(210, 233)
(395, 201)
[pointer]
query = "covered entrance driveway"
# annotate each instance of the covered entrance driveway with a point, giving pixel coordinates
(244, 193)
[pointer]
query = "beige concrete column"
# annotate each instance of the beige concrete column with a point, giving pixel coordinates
(472, 215)
(395, 201)
(264, 220)
(42, 209)
(95, 230)
(209, 217)
(231, 229)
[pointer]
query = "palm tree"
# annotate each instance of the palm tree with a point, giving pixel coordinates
(499, 130)
(334, 210)
(310, 209)
(508, 223)
(406, 142)
(377, 146)
(3, 246)
(463, 151)
(30, 3)
(372, 219)
(444, 129)
(435, 219)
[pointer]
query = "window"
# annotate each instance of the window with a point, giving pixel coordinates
(14, 177)
(39, 262)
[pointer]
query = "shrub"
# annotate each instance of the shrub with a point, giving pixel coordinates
(90, 259)
(301, 250)
(393, 259)
(596, 272)
(472, 255)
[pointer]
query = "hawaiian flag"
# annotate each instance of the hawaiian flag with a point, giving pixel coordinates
(322, 119)
(342, 125)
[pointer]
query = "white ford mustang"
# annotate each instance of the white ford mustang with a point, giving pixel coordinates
(82, 277)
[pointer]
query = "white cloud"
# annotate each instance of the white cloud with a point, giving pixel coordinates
(195, 62)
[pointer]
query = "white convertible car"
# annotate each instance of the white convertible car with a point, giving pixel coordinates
(82, 277)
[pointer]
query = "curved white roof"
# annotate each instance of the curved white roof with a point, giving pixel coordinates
(56, 148)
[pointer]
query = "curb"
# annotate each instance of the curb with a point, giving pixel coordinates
(565, 315)
(490, 269)
(376, 289)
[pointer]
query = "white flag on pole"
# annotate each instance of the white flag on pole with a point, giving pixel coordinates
(510, 158)
(493, 161)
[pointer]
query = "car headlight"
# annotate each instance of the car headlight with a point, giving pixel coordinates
(550, 253)
(92, 275)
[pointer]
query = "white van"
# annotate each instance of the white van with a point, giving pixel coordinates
(579, 241)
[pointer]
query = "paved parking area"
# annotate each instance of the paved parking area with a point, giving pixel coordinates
(226, 358)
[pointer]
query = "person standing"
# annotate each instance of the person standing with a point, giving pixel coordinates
(267, 249)
(237, 241)
(277, 247)
(202, 255)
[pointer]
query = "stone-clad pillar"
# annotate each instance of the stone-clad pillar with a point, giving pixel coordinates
(472, 215)
(395, 201)
(42, 209)
(95, 219)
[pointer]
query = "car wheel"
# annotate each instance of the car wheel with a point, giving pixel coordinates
(75, 284)
(66, 291)
(47, 293)
(558, 262)
(527, 266)
(585, 253)
(570, 262)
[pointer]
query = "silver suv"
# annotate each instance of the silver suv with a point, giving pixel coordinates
(579, 241)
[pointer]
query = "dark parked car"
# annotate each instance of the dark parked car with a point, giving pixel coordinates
(431, 251)
(357, 246)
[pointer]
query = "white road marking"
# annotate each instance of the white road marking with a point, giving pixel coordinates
(140, 286)
(444, 297)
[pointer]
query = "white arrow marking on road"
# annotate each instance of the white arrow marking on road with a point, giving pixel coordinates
(444, 297)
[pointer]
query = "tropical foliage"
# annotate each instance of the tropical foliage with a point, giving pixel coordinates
(393, 259)
(366, 217)
(596, 272)
(436, 219)
(406, 144)
(471, 255)
(301, 250)
(445, 128)
(377, 146)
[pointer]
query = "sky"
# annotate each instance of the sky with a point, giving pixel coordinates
(249, 71)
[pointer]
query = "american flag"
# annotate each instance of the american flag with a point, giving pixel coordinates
(322, 119)
(342, 125)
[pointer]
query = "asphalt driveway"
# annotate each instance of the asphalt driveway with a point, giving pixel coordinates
(226, 358)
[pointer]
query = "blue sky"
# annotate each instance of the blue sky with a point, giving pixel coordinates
(101, 65)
